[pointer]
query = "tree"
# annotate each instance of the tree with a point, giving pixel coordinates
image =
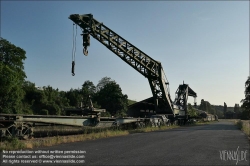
(203, 106)
(28, 99)
(55, 100)
(74, 96)
(43, 101)
(246, 102)
(12, 76)
(237, 110)
(207, 107)
(225, 110)
(103, 82)
(88, 88)
(110, 97)
(191, 111)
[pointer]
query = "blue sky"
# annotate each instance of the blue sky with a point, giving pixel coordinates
(204, 43)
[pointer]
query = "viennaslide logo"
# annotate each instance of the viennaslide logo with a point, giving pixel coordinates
(235, 155)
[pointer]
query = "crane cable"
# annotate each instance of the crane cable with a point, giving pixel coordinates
(74, 50)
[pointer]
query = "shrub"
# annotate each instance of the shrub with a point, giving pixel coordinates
(239, 124)
(44, 112)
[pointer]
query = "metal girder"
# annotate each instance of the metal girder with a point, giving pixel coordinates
(133, 56)
(181, 96)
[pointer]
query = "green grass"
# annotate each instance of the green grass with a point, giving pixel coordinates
(243, 125)
(150, 129)
(202, 123)
(11, 143)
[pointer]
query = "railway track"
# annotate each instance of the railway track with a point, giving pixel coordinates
(27, 126)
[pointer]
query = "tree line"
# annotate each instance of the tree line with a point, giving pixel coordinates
(20, 96)
(225, 112)
(47, 100)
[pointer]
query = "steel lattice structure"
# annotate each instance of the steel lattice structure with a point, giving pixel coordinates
(133, 56)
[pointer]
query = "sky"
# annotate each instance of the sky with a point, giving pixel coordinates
(203, 43)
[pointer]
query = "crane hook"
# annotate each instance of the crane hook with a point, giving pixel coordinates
(73, 68)
(85, 51)
(73, 51)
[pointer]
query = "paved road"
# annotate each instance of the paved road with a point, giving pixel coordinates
(197, 145)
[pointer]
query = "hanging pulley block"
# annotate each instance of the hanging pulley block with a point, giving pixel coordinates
(85, 51)
(85, 42)
(86, 39)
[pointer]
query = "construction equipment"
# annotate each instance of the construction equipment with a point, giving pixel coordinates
(140, 61)
(22, 126)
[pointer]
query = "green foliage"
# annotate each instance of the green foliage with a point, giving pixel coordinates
(95, 105)
(225, 109)
(110, 97)
(12, 143)
(244, 126)
(103, 82)
(130, 102)
(88, 89)
(121, 113)
(246, 102)
(237, 108)
(244, 115)
(18, 95)
(230, 110)
(48, 99)
(219, 113)
(74, 96)
(12, 76)
(105, 114)
(237, 111)
(191, 111)
(207, 107)
(44, 112)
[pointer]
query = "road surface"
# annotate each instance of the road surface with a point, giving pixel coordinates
(219, 143)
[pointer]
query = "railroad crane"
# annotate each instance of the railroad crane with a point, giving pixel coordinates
(22, 126)
(140, 61)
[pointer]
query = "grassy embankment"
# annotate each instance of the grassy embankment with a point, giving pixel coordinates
(243, 125)
(90, 134)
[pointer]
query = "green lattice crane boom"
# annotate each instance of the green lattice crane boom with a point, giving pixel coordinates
(130, 54)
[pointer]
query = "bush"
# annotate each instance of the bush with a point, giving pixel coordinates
(245, 115)
(239, 124)
(244, 126)
(44, 112)
(12, 143)
(105, 114)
